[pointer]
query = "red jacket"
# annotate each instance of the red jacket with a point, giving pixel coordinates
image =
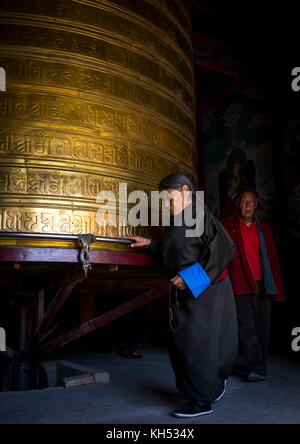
(240, 272)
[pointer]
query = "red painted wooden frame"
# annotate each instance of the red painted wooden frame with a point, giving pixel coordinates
(72, 255)
(67, 255)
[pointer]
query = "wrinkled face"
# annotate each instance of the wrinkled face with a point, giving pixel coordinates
(176, 200)
(248, 205)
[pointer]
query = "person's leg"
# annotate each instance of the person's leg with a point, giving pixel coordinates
(264, 308)
(196, 341)
(205, 346)
(250, 345)
(228, 333)
(132, 326)
(176, 365)
(175, 320)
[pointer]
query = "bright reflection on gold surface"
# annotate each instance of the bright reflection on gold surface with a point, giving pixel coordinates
(98, 92)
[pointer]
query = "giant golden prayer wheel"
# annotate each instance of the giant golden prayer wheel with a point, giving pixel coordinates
(98, 92)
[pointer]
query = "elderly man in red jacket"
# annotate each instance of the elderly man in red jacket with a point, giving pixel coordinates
(256, 280)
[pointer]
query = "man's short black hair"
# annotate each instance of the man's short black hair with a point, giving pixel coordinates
(244, 190)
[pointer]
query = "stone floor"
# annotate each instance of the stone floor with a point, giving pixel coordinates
(143, 392)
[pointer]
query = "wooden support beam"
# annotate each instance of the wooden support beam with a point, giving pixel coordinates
(62, 255)
(66, 288)
(126, 285)
(22, 339)
(218, 46)
(95, 324)
(235, 86)
(87, 306)
(212, 65)
(25, 320)
(40, 306)
(212, 11)
(49, 332)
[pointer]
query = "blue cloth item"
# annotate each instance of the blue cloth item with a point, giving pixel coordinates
(196, 279)
(265, 264)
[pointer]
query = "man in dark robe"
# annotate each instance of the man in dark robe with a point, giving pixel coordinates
(204, 340)
(256, 279)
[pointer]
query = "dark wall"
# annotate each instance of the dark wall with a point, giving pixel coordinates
(262, 122)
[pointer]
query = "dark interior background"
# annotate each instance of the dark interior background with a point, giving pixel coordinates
(259, 44)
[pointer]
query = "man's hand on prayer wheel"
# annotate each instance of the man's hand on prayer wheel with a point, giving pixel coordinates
(179, 283)
(138, 241)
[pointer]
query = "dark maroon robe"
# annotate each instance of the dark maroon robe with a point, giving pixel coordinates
(241, 276)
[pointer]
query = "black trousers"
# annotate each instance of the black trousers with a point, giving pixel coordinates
(254, 318)
(204, 340)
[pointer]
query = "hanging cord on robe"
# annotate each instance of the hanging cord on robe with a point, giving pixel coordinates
(171, 314)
